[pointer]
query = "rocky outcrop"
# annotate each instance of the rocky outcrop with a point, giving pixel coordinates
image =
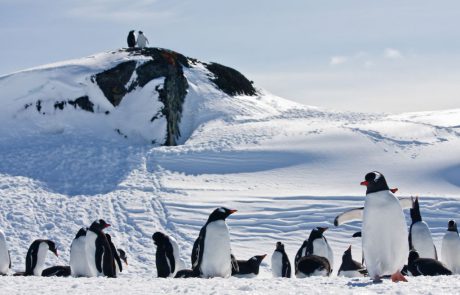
(230, 80)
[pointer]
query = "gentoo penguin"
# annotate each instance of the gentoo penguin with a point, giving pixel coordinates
(451, 248)
(425, 266)
(98, 251)
(384, 230)
(117, 266)
(211, 253)
(313, 265)
(420, 237)
(315, 245)
(79, 265)
(131, 39)
(5, 260)
(248, 268)
(57, 271)
(36, 255)
(165, 260)
(123, 257)
(351, 268)
(142, 41)
(281, 267)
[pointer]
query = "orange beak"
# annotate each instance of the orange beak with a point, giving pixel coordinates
(232, 211)
(365, 183)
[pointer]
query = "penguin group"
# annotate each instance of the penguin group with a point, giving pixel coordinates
(141, 41)
(92, 253)
(389, 248)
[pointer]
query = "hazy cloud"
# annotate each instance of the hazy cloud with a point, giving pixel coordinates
(392, 53)
(337, 60)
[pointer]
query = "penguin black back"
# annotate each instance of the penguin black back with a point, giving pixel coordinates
(115, 257)
(250, 266)
(131, 39)
(56, 271)
(103, 256)
(375, 182)
(348, 264)
(313, 265)
(165, 262)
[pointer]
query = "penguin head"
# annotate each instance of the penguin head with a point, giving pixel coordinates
(413, 255)
(99, 224)
(375, 182)
(132, 31)
(452, 226)
(140, 33)
(255, 261)
(159, 238)
(52, 247)
(279, 247)
(220, 214)
(317, 233)
(123, 256)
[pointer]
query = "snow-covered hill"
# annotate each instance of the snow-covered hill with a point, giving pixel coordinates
(286, 167)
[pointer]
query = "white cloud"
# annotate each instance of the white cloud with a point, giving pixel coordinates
(338, 60)
(392, 53)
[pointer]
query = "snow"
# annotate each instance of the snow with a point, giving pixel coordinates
(285, 167)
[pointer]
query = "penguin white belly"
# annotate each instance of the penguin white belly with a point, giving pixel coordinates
(216, 254)
(41, 256)
(384, 234)
(91, 253)
(451, 251)
(277, 264)
(78, 261)
(350, 274)
(422, 240)
(322, 248)
(4, 256)
(179, 264)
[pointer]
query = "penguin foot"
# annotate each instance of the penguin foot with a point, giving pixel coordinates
(377, 280)
(398, 277)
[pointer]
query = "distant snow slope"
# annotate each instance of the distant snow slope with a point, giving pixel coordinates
(286, 167)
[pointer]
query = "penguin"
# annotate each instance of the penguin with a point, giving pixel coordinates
(142, 41)
(117, 266)
(36, 255)
(281, 267)
(123, 257)
(79, 266)
(57, 271)
(315, 245)
(420, 237)
(5, 260)
(165, 260)
(98, 251)
(131, 39)
(211, 253)
(248, 268)
(425, 266)
(351, 268)
(451, 248)
(384, 230)
(313, 265)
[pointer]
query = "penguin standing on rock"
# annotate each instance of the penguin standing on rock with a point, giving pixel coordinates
(36, 255)
(211, 253)
(351, 268)
(5, 260)
(451, 248)
(313, 265)
(98, 250)
(315, 245)
(281, 267)
(384, 230)
(142, 41)
(79, 266)
(248, 268)
(420, 235)
(131, 39)
(425, 266)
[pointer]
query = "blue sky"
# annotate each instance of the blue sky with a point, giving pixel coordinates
(392, 56)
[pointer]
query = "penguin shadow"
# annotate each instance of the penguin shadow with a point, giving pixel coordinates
(359, 283)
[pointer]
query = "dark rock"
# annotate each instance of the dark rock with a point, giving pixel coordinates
(112, 82)
(230, 80)
(83, 102)
(39, 105)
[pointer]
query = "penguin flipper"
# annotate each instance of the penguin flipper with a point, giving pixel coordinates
(348, 216)
(98, 256)
(170, 256)
(235, 266)
(9, 257)
(198, 249)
